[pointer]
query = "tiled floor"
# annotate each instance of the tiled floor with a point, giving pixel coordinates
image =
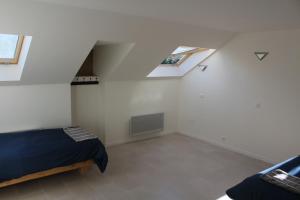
(172, 167)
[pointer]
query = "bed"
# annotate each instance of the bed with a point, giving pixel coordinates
(33, 154)
(254, 188)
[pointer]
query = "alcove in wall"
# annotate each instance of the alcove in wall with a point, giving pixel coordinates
(87, 90)
(87, 98)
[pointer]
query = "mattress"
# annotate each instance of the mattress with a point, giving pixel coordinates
(27, 152)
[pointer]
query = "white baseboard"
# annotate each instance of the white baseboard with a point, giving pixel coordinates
(135, 139)
(231, 148)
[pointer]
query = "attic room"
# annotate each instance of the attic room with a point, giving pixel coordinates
(150, 100)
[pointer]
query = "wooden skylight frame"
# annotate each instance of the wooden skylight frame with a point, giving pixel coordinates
(183, 56)
(15, 59)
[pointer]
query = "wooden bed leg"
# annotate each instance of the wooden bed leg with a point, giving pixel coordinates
(84, 169)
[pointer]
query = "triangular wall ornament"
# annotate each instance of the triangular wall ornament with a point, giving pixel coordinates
(202, 67)
(261, 55)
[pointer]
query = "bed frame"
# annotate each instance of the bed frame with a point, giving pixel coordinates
(81, 166)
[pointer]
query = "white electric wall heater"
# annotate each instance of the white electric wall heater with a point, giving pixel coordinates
(146, 124)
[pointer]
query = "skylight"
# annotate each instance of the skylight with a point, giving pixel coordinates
(10, 48)
(180, 61)
(174, 59)
(183, 49)
(180, 54)
(13, 53)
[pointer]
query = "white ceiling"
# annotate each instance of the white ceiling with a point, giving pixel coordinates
(62, 37)
(231, 15)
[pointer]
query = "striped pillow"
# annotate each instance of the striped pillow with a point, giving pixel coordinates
(79, 134)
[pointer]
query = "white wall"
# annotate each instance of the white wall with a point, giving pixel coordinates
(129, 98)
(88, 108)
(32, 107)
(254, 106)
(106, 108)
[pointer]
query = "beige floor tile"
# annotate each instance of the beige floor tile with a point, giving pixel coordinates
(173, 167)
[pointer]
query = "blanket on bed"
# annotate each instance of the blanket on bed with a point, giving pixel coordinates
(255, 188)
(27, 152)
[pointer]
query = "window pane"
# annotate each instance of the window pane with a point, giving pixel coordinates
(172, 59)
(8, 44)
(182, 49)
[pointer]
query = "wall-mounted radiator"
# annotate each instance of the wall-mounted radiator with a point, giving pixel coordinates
(146, 124)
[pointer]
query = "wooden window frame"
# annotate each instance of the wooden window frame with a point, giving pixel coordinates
(15, 60)
(186, 55)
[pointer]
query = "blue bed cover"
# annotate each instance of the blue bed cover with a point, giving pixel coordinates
(26, 152)
(254, 188)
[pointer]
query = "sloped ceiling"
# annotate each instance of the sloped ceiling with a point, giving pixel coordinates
(63, 37)
(232, 15)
